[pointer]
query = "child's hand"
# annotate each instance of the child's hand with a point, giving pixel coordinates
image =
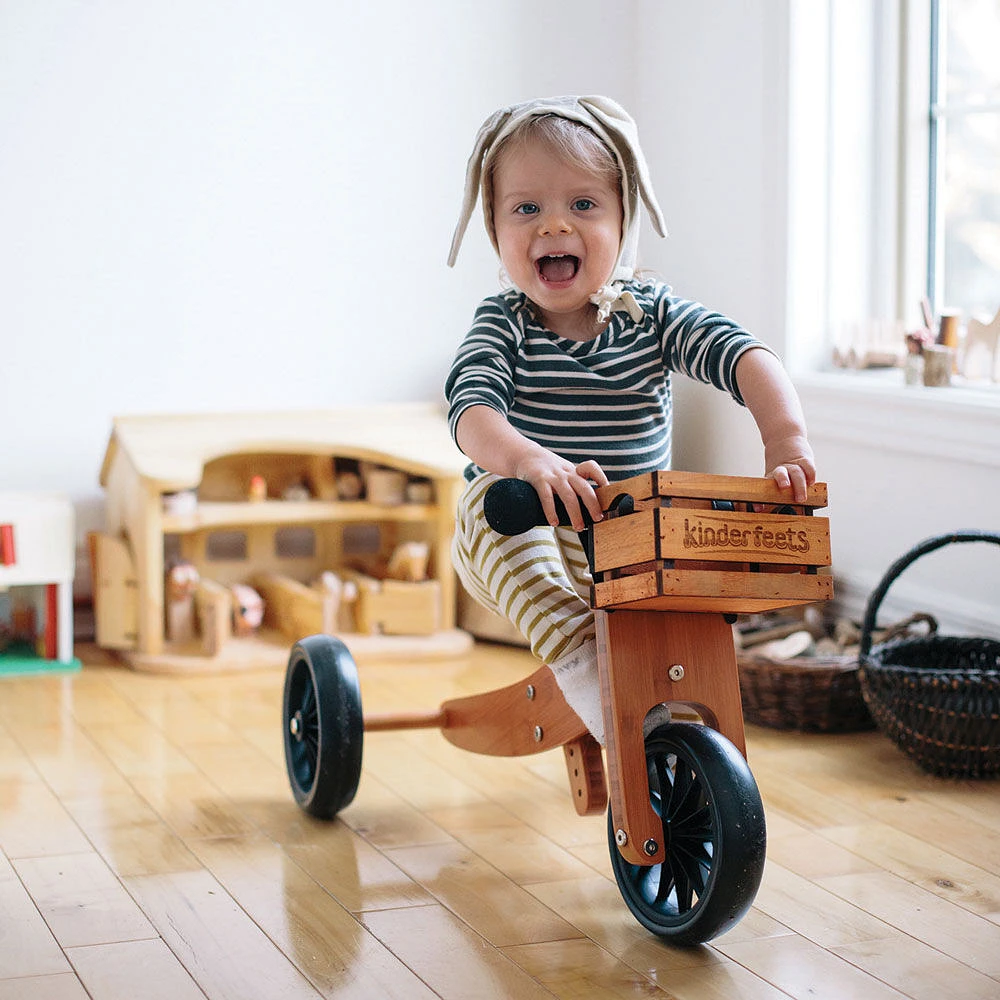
(488, 439)
(790, 463)
(552, 476)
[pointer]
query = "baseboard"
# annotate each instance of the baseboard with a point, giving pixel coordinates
(955, 616)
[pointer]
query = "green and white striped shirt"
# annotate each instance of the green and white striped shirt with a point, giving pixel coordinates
(606, 399)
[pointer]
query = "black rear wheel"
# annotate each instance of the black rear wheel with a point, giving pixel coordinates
(713, 831)
(323, 725)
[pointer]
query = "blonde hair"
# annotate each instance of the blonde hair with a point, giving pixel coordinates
(569, 140)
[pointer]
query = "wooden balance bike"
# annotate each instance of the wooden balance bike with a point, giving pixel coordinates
(676, 558)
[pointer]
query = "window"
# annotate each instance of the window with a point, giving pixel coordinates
(859, 223)
(964, 259)
(295, 542)
(894, 169)
(226, 546)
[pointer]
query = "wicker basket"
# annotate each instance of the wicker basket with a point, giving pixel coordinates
(938, 697)
(811, 693)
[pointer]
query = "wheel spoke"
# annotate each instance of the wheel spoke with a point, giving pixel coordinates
(304, 764)
(663, 781)
(695, 863)
(680, 789)
(310, 724)
(308, 701)
(696, 848)
(664, 884)
(690, 801)
(695, 825)
(682, 883)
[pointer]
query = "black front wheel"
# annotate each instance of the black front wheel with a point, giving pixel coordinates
(323, 725)
(713, 832)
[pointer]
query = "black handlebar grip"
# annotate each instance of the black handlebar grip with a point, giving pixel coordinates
(512, 506)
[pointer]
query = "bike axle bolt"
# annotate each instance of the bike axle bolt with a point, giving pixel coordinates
(650, 847)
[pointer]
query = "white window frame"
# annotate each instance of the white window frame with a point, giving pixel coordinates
(914, 144)
(859, 133)
(859, 86)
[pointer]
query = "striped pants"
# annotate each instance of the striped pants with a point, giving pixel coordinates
(538, 580)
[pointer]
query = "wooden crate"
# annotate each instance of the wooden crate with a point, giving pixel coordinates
(679, 541)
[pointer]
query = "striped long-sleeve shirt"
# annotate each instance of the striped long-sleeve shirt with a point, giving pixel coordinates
(606, 399)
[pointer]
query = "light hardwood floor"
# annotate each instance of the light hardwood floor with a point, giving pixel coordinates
(152, 849)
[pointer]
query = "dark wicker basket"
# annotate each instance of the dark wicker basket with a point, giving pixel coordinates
(937, 697)
(818, 694)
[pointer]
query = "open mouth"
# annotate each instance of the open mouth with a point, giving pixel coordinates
(558, 267)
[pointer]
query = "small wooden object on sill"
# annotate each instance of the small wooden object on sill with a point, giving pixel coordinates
(938, 363)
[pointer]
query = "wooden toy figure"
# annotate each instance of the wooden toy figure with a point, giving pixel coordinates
(248, 609)
(408, 562)
(181, 583)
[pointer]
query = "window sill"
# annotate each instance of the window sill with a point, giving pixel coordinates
(875, 410)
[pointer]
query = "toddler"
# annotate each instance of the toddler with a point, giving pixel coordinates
(564, 379)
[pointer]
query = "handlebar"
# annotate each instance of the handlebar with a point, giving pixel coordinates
(512, 506)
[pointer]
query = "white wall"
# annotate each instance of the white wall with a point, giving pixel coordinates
(906, 464)
(712, 100)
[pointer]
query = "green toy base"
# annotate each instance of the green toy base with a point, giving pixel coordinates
(19, 659)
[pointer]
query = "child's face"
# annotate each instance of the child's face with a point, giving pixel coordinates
(558, 228)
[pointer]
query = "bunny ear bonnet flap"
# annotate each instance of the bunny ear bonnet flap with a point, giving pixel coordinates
(485, 141)
(615, 127)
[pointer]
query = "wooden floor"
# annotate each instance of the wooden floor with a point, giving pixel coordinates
(151, 849)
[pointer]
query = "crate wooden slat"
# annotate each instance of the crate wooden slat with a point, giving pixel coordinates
(700, 590)
(708, 535)
(703, 486)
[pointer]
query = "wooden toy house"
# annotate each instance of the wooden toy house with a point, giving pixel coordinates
(304, 509)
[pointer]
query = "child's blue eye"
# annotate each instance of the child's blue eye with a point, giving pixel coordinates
(528, 208)
(582, 204)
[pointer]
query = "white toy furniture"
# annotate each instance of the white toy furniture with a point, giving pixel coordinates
(37, 556)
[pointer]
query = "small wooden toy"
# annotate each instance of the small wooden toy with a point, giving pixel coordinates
(349, 486)
(677, 556)
(383, 486)
(341, 595)
(296, 493)
(939, 361)
(408, 562)
(248, 609)
(179, 597)
(258, 489)
(419, 491)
